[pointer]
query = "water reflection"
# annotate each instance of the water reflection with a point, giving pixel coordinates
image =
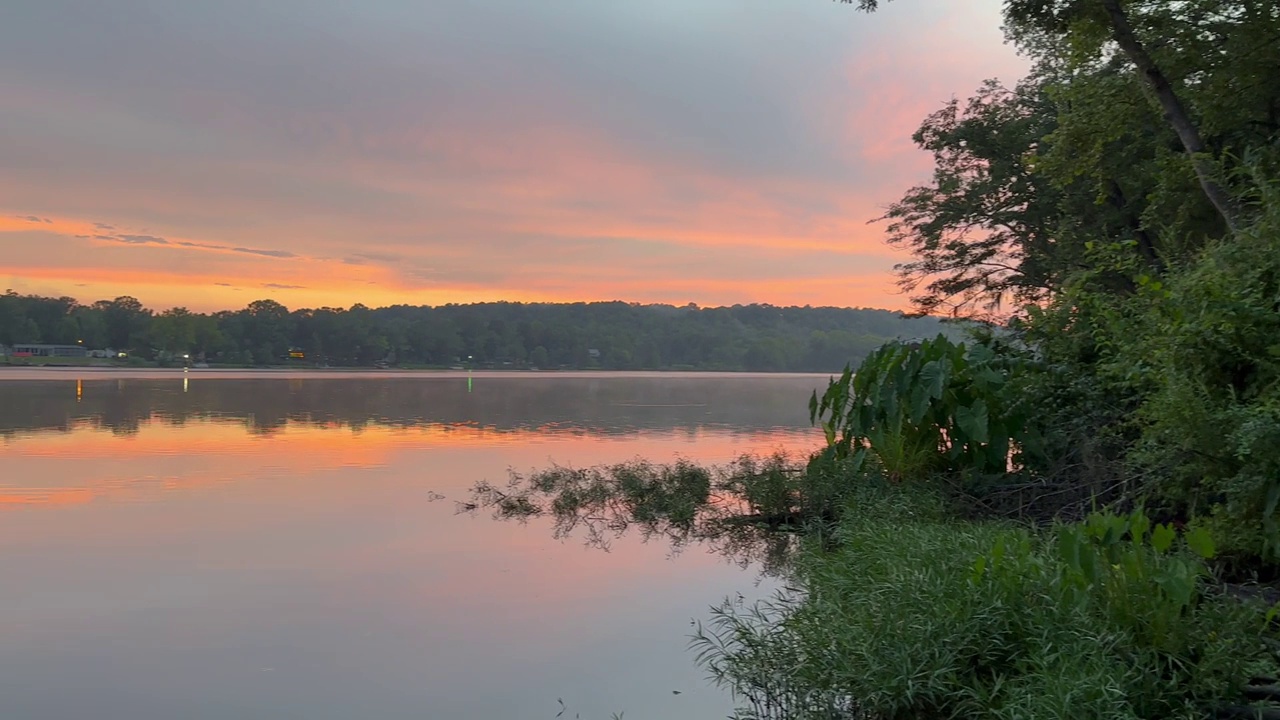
(751, 510)
(267, 548)
(604, 405)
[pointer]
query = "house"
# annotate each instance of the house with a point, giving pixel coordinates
(35, 350)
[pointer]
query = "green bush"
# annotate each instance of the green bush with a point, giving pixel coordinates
(929, 406)
(1211, 437)
(919, 616)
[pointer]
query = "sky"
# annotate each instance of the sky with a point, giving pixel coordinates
(329, 152)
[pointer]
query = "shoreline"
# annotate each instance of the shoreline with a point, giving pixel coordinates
(67, 372)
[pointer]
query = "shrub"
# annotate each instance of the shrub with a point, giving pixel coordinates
(927, 407)
(920, 616)
(1212, 423)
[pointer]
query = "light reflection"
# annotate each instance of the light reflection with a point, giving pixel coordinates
(149, 527)
(95, 463)
(79, 390)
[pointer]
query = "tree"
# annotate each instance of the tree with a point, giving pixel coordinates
(1093, 27)
(174, 331)
(267, 328)
(126, 321)
(983, 231)
(1076, 16)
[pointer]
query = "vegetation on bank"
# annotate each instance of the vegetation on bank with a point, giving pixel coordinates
(1075, 514)
(605, 335)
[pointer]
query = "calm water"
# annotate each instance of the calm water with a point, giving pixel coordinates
(240, 545)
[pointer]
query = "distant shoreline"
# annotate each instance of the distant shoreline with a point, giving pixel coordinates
(69, 372)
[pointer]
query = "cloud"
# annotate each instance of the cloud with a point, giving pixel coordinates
(142, 239)
(714, 151)
(130, 239)
(33, 218)
(267, 253)
(279, 286)
(203, 246)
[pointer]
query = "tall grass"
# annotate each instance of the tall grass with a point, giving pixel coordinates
(919, 616)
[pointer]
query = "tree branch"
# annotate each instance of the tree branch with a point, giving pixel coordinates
(1174, 112)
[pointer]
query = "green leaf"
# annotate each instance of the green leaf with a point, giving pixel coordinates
(997, 553)
(919, 403)
(979, 566)
(973, 421)
(1069, 543)
(934, 377)
(1162, 538)
(1138, 526)
(990, 376)
(889, 401)
(1201, 543)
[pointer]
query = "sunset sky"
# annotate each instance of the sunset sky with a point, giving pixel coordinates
(326, 153)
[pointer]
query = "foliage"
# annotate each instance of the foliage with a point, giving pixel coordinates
(618, 336)
(1212, 420)
(1087, 150)
(981, 230)
(930, 406)
(920, 616)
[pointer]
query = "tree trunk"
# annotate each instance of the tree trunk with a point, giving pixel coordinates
(1174, 112)
(1145, 245)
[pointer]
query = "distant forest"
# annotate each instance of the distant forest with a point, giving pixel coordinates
(605, 335)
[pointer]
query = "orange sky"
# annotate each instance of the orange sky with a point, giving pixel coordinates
(732, 151)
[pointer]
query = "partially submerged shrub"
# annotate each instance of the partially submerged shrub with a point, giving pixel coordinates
(737, 508)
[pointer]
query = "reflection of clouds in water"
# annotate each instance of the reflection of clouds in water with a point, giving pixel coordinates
(87, 460)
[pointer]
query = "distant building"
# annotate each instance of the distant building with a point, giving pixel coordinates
(31, 350)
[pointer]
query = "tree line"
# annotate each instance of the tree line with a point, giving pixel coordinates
(606, 335)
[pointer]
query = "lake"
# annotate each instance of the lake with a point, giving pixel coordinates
(240, 545)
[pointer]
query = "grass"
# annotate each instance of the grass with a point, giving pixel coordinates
(916, 615)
